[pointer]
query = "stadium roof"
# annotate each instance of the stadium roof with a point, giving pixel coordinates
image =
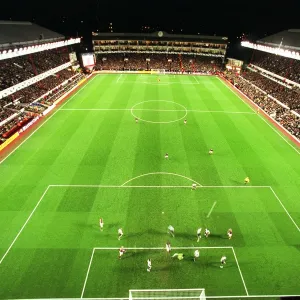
(25, 33)
(163, 36)
(289, 39)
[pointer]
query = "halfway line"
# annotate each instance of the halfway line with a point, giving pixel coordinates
(159, 110)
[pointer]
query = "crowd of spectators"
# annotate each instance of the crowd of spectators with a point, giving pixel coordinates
(284, 116)
(286, 95)
(19, 69)
(283, 66)
(26, 109)
(167, 62)
(21, 107)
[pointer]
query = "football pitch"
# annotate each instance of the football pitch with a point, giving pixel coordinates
(91, 159)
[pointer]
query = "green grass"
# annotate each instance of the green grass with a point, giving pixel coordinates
(93, 141)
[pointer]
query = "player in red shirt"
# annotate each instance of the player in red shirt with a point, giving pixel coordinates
(121, 252)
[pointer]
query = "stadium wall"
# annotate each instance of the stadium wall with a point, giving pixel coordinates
(256, 107)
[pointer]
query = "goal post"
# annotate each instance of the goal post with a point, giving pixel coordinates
(167, 294)
(158, 71)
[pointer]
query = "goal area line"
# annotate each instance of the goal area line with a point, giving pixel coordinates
(160, 248)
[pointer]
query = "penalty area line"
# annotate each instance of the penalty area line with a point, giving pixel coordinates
(87, 273)
(22, 228)
(293, 221)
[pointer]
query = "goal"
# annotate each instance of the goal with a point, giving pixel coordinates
(176, 294)
(158, 71)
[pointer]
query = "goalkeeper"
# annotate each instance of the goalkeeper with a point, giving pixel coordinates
(180, 256)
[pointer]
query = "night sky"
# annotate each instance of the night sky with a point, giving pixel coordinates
(226, 18)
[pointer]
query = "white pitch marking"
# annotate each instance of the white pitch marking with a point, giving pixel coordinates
(162, 83)
(285, 209)
(46, 121)
(251, 296)
(87, 273)
(236, 186)
(162, 173)
(160, 248)
(208, 215)
(208, 297)
(152, 186)
(15, 239)
(185, 110)
(237, 262)
(196, 79)
(119, 77)
(262, 118)
(77, 92)
(159, 110)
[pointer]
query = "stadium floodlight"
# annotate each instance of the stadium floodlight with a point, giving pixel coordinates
(36, 48)
(167, 294)
(274, 50)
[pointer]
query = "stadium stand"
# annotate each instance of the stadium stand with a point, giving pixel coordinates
(19, 106)
(272, 79)
(159, 50)
(282, 66)
(283, 115)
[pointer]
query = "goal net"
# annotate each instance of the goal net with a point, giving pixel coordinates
(176, 294)
(158, 71)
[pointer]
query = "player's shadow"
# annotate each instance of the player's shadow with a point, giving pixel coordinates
(185, 235)
(106, 227)
(218, 264)
(155, 232)
(215, 235)
(164, 268)
(132, 235)
(135, 254)
(237, 182)
(85, 225)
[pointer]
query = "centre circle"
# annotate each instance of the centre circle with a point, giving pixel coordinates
(151, 110)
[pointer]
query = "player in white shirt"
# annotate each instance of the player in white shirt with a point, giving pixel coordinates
(101, 224)
(136, 120)
(223, 261)
(184, 122)
(171, 230)
(121, 252)
(199, 234)
(211, 151)
(149, 264)
(166, 156)
(196, 254)
(206, 232)
(194, 186)
(120, 233)
(229, 233)
(168, 247)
